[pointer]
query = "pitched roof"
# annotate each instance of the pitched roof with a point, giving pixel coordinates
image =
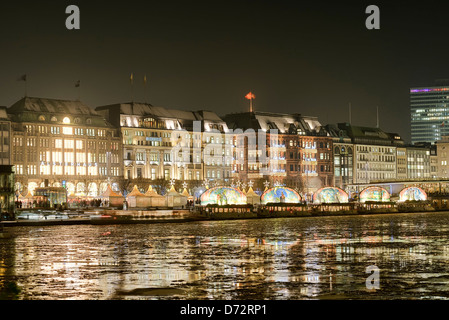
(54, 106)
(46, 110)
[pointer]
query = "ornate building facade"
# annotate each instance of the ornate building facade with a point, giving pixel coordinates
(63, 144)
(165, 144)
(286, 149)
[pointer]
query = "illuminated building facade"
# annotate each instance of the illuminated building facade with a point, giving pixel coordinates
(429, 107)
(160, 143)
(5, 137)
(59, 143)
(401, 163)
(288, 149)
(6, 168)
(343, 156)
(418, 162)
(443, 157)
(375, 153)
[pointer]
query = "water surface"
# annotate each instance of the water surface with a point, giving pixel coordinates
(286, 258)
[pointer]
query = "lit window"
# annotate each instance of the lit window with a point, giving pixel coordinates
(66, 120)
(67, 130)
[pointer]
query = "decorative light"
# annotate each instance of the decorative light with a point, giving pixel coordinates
(429, 90)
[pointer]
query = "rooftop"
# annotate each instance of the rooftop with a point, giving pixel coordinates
(45, 110)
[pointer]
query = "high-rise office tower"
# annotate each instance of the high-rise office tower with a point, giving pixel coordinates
(429, 107)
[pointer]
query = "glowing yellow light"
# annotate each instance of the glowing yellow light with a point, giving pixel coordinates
(66, 120)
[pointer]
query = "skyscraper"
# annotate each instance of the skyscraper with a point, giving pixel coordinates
(429, 108)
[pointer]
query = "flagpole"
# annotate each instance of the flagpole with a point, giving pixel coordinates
(377, 111)
(132, 87)
(350, 116)
(78, 85)
(145, 88)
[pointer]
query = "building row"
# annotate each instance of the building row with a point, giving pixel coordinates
(60, 143)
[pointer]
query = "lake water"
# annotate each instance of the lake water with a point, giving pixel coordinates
(285, 258)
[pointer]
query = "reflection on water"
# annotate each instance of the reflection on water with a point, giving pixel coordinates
(291, 258)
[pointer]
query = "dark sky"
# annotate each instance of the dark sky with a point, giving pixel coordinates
(308, 57)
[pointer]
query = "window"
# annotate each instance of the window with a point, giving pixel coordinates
(153, 173)
(66, 120)
(58, 143)
(54, 130)
(140, 156)
(68, 144)
(67, 130)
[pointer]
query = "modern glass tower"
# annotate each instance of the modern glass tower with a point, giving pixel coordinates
(429, 107)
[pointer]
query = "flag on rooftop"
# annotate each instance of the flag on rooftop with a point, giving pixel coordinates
(250, 96)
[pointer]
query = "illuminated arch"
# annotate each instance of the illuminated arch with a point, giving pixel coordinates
(280, 194)
(374, 194)
(330, 195)
(70, 188)
(412, 193)
(223, 196)
(81, 188)
(103, 187)
(92, 189)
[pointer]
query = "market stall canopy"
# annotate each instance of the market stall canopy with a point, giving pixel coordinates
(109, 193)
(135, 192)
(185, 193)
(175, 199)
(28, 196)
(151, 193)
(252, 197)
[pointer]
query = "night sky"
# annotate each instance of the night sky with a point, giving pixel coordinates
(308, 57)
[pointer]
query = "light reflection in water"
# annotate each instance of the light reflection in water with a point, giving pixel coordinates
(265, 259)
